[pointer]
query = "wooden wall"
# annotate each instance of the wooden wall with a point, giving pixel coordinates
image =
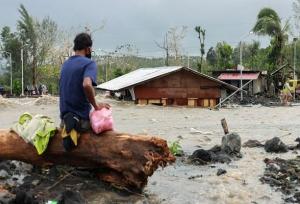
(178, 87)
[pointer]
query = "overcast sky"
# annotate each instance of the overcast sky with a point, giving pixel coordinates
(141, 22)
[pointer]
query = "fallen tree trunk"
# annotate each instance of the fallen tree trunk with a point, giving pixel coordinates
(122, 159)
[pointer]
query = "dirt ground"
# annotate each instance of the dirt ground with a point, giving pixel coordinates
(172, 185)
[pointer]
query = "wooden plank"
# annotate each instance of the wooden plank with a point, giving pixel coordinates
(142, 101)
(205, 102)
(224, 125)
(192, 102)
(164, 101)
(212, 103)
(154, 101)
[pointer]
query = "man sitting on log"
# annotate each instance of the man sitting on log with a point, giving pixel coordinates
(77, 78)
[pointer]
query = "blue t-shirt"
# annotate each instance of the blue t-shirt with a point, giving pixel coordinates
(72, 96)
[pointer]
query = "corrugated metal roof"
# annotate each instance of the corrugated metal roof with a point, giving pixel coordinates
(145, 74)
(237, 76)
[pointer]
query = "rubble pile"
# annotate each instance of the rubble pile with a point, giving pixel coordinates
(46, 100)
(23, 183)
(4, 103)
(276, 145)
(283, 175)
(228, 150)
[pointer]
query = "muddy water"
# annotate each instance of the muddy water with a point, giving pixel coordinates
(172, 185)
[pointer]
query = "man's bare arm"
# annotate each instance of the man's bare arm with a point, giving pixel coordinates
(89, 91)
(90, 94)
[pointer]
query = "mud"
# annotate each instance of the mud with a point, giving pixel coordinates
(240, 184)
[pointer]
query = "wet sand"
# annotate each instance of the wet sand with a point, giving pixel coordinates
(171, 185)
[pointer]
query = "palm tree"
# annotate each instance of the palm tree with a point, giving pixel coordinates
(268, 23)
(201, 36)
(27, 28)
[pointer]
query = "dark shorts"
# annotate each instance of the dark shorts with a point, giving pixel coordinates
(85, 125)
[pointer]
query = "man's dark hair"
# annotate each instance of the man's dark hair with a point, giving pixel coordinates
(82, 41)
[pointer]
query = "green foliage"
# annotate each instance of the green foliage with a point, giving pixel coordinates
(201, 35)
(17, 87)
(268, 23)
(11, 43)
(224, 53)
(37, 37)
(176, 148)
(49, 75)
(211, 57)
(118, 72)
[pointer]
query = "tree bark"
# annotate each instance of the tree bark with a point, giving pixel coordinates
(122, 159)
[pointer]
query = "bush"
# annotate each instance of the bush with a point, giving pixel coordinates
(176, 148)
(17, 87)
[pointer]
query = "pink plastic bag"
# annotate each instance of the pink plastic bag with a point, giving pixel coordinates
(101, 120)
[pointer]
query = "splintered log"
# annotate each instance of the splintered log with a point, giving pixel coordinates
(122, 159)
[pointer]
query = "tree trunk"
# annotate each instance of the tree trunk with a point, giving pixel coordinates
(124, 160)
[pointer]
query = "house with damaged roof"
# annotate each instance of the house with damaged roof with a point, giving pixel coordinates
(175, 85)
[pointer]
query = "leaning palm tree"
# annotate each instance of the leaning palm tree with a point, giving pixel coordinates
(268, 23)
(28, 35)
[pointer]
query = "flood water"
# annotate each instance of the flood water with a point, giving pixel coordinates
(173, 184)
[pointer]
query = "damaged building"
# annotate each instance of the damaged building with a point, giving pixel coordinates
(169, 86)
(257, 79)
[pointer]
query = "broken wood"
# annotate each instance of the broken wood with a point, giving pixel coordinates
(225, 126)
(123, 160)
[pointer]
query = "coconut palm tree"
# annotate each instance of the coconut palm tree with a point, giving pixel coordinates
(28, 35)
(268, 23)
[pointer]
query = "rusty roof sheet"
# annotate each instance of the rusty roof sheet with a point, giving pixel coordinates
(145, 74)
(237, 76)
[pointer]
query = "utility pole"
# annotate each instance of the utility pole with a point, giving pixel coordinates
(295, 59)
(241, 69)
(11, 79)
(22, 62)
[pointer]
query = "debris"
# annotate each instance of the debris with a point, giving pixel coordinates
(4, 103)
(283, 175)
(3, 174)
(46, 100)
(295, 146)
(204, 157)
(6, 196)
(194, 177)
(231, 143)
(146, 153)
(71, 197)
(229, 149)
(154, 120)
(252, 143)
(201, 157)
(195, 131)
(224, 126)
(25, 197)
(221, 171)
(36, 182)
(275, 145)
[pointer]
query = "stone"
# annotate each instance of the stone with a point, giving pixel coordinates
(23, 197)
(221, 171)
(201, 156)
(275, 145)
(221, 158)
(36, 182)
(252, 143)
(231, 143)
(6, 197)
(3, 174)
